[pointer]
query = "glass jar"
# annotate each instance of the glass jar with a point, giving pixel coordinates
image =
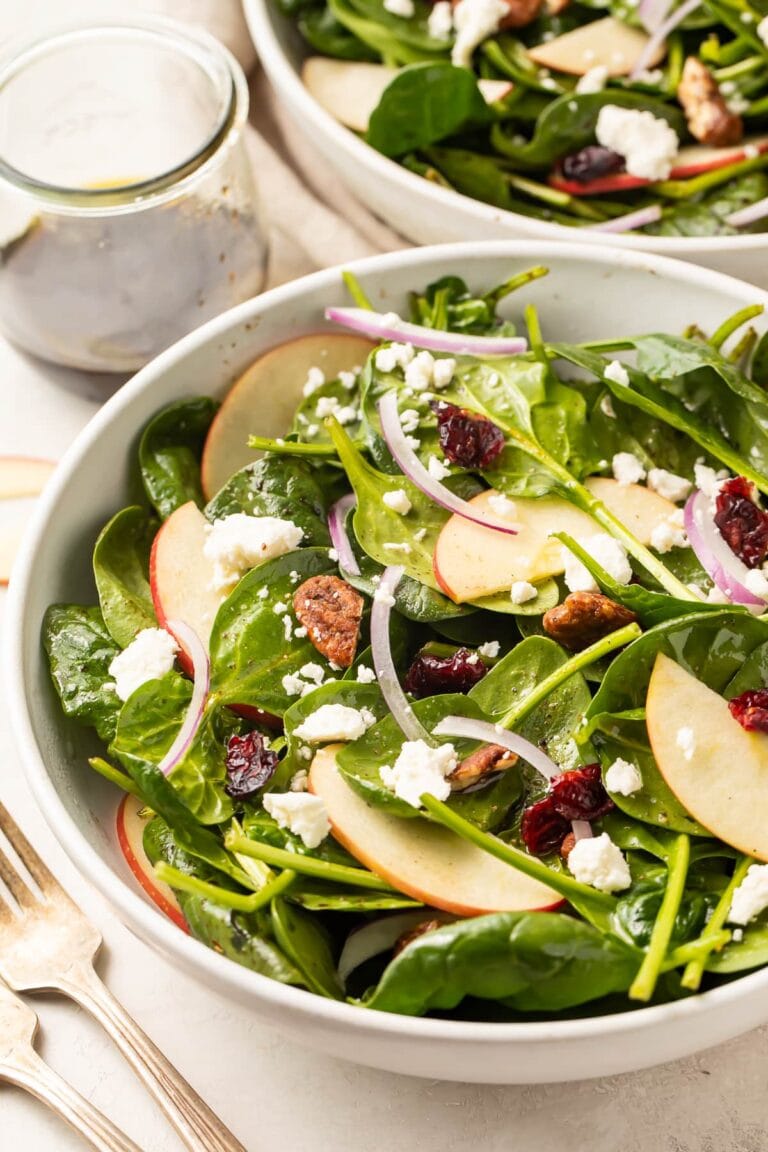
(128, 212)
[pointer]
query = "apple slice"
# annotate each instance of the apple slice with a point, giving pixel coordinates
(606, 43)
(724, 783)
(14, 518)
(131, 822)
(471, 561)
(23, 476)
(423, 860)
(350, 90)
(181, 578)
(263, 401)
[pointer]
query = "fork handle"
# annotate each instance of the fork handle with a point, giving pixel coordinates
(198, 1127)
(32, 1074)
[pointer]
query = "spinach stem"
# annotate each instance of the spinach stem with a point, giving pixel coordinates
(305, 865)
(603, 346)
(742, 349)
(695, 969)
(559, 881)
(644, 984)
(115, 776)
(732, 324)
(694, 949)
(290, 447)
(355, 290)
(498, 293)
(183, 882)
(685, 189)
(581, 660)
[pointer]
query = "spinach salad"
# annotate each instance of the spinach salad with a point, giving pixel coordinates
(444, 703)
(607, 115)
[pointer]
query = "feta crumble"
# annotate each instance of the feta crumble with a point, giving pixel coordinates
(394, 356)
(315, 379)
(668, 485)
(238, 543)
(670, 533)
(751, 896)
(475, 21)
(365, 675)
(648, 144)
(410, 417)
(623, 778)
(686, 742)
(707, 480)
(440, 20)
(404, 8)
(301, 813)
(597, 861)
(502, 505)
(627, 469)
(334, 722)
(592, 81)
(762, 30)
(490, 648)
(300, 782)
(609, 554)
(419, 769)
(522, 591)
(381, 596)
(398, 501)
(437, 468)
(617, 373)
(606, 406)
(348, 380)
(149, 656)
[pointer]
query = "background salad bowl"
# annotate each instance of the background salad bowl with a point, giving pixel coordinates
(590, 294)
(427, 213)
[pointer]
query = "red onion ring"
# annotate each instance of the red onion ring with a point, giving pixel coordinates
(337, 515)
(630, 220)
(381, 326)
(380, 936)
(201, 671)
(384, 665)
(744, 216)
(410, 465)
(722, 566)
(660, 34)
(652, 13)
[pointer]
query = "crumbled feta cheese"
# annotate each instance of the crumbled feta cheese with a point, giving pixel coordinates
(279, 609)
(648, 144)
(418, 374)
(751, 896)
(419, 769)
(300, 633)
(440, 20)
(437, 468)
(327, 406)
(475, 21)
(490, 649)
(670, 533)
(315, 380)
(301, 813)
(409, 417)
(348, 380)
(404, 8)
(287, 627)
(756, 583)
(149, 656)
(606, 406)
(627, 469)
(502, 505)
(597, 861)
(333, 554)
(521, 592)
(442, 373)
(668, 485)
(609, 554)
(394, 356)
(623, 778)
(381, 596)
(240, 542)
(419, 536)
(707, 480)
(762, 30)
(652, 76)
(398, 501)
(334, 722)
(293, 685)
(737, 935)
(686, 742)
(300, 782)
(399, 546)
(294, 576)
(592, 81)
(365, 675)
(313, 672)
(617, 373)
(263, 593)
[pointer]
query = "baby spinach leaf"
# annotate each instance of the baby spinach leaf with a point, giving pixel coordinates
(426, 103)
(349, 693)
(80, 651)
(538, 961)
(169, 454)
(307, 944)
(319, 897)
(741, 955)
(279, 486)
(309, 427)
(326, 35)
(250, 651)
(259, 825)
(121, 571)
(395, 40)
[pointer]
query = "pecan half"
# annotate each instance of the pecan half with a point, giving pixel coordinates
(331, 611)
(709, 118)
(483, 761)
(414, 933)
(567, 845)
(583, 618)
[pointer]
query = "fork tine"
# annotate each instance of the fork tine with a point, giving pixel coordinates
(16, 885)
(46, 882)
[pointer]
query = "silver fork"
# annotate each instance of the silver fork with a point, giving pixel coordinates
(21, 1065)
(46, 944)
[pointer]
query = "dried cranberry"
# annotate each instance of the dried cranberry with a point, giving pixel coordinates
(742, 523)
(542, 827)
(751, 709)
(433, 675)
(250, 764)
(466, 438)
(580, 795)
(591, 163)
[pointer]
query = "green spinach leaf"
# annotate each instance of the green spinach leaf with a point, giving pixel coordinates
(121, 571)
(169, 454)
(276, 486)
(80, 651)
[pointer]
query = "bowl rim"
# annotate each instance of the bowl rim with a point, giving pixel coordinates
(149, 922)
(286, 81)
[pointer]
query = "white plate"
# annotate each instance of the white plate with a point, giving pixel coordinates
(591, 294)
(429, 214)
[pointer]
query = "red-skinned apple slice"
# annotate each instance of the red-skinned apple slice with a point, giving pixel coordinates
(14, 517)
(471, 561)
(423, 860)
(130, 836)
(263, 401)
(723, 779)
(181, 578)
(23, 476)
(606, 43)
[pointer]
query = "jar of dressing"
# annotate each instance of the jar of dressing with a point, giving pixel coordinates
(128, 212)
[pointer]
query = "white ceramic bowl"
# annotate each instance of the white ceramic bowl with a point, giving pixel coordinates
(429, 214)
(592, 293)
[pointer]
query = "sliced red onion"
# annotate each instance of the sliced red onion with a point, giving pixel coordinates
(410, 465)
(659, 35)
(201, 671)
(748, 215)
(388, 326)
(337, 515)
(652, 13)
(582, 829)
(384, 665)
(381, 936)
(722, 566)
(630, 220)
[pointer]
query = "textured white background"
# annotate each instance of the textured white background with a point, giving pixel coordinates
(273, 1094)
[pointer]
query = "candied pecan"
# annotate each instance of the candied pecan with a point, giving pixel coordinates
(709, 118)
(567, 845)
(482, 762)
(331, 612)
(414, 933)
(583, 618)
